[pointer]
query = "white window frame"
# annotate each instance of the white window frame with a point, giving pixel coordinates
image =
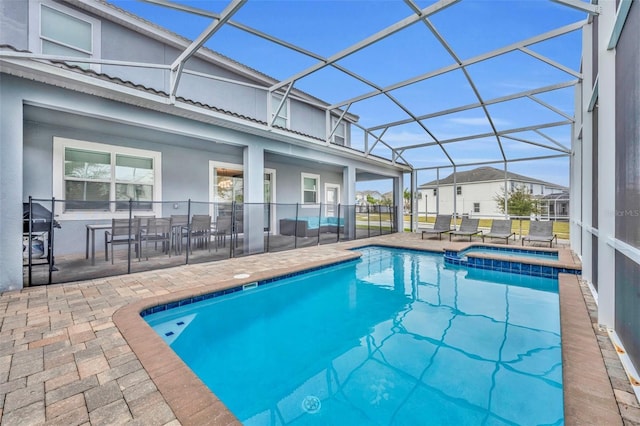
(284, 112)
(59, 145)
(474, 207)
(318, 194)
(35, 28)
(342, 125)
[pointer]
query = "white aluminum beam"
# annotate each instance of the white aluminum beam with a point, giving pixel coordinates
(59, 58)
(594, 96)
(338, 121)
(552, 140)
(591, 9)
(485, 163)
(551, 107)
(621, 17)
(477, 104)
(550, 62)
(412, 117)
(474, 88)
(392, 29)
(536, 144)
(178, 64)
(283, 102)
(213, 15)
(489, 134)
(483, 57)
(378, 139)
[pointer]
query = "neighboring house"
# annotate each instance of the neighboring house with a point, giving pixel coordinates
(362, 196)
(203, 127)
(475, 191)
(555, 205)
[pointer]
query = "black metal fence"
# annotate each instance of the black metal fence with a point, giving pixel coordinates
(70, 241)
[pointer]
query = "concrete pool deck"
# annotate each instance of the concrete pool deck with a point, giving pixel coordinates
(80, 353)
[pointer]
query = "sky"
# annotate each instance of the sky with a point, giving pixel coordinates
(470, 28)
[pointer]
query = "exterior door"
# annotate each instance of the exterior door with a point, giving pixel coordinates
(331, 199)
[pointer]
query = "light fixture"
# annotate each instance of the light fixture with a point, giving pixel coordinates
(225, 184)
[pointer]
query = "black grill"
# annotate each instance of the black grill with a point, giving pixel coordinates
(41, 218)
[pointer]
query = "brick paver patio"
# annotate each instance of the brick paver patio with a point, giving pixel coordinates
(63, 359)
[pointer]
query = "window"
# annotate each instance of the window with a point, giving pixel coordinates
(435, 192)
(62, 31)
(476, 207)
(459, 190)
(94, 177)
(310, 185)
(339, 137)
(283, 116)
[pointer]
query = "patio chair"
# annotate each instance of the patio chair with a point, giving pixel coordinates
(442, 225)
(500, 229)
(144, 219)
(157, 231)
(223, 227)
(123, 231)
(468, 227)
(179, 225)
(541, 231)
(200, 231)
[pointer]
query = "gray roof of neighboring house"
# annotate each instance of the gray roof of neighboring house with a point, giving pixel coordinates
(564, 195)
(485, 174)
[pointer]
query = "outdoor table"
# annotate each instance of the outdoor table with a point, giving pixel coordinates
(91, 236)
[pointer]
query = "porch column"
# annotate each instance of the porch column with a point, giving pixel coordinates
(11, 164)
(575, 183)
(254, 217)
(398, 201)
(413, 226)
(348, 208)
(606, 163)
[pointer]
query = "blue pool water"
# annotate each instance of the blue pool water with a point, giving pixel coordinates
(394, 338)
(504, 251)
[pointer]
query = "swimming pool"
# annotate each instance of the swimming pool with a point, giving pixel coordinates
(395, 338)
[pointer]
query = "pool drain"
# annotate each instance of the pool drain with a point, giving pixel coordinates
(311, 404)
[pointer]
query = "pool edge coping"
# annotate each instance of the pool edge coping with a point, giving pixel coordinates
(193, 403)
(587, 389)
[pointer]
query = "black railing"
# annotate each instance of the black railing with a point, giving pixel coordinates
(153, 235)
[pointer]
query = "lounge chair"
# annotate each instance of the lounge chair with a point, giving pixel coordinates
(468, 227)
(442, 225)
(541, 231)
(500, 229)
